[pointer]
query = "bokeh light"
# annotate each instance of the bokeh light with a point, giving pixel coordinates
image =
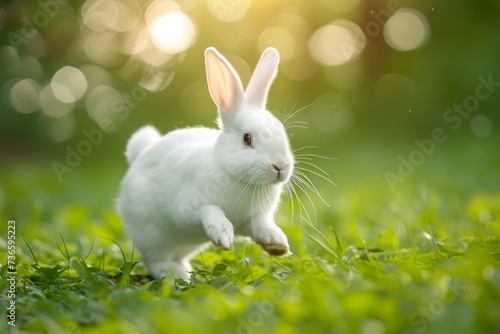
(51, 105)
(96, 75)
(397, 90)
(124, 44)
(228, 10)
(169, 31)
(481, 126)
(150, 54)
(289, 33)
(406, 30)
(372, 326)
(61, 128)
(103, 102)
(101, 15)
(281, 38)
(24, 96)
(31, 68)
(174, 32)
(106, 54)
(10, 59)
(337, 43)
(156, 81)
(69, 84)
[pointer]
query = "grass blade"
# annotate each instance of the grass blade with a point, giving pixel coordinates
(32, 254)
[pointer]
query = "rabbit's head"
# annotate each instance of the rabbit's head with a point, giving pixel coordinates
(253, 146)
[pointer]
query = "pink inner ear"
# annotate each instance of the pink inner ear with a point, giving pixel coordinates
(223, 82)
(220, 84)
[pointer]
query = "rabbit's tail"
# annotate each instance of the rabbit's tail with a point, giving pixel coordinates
(140, 140)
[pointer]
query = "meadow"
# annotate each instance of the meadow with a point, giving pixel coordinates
(422, 259)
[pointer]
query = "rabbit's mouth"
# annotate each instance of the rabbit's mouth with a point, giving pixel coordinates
(281, 178)
(281, 172)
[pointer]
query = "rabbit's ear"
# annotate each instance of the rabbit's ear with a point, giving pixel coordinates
(262, 78)
(223, 83)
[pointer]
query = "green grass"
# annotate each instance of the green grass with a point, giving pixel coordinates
(425, 259)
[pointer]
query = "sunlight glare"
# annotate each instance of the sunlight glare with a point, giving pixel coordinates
(174, 32)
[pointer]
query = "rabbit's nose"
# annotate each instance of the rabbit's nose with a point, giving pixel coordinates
(277, 167)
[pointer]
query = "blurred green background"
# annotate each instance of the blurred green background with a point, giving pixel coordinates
(373, 78)
(404, 94)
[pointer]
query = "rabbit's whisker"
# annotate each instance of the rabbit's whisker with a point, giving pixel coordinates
(289, 197)
(317, 174)
(294, 151)
(313, 156)
(301, 181)
(322, 171)
(296, 124)
(302, 207)
(293, 113)
(289, 114)
(303, 186)
(305, 181)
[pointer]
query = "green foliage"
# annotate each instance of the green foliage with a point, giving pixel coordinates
(363, 269)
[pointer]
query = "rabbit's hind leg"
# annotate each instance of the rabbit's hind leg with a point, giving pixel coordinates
(168, 269)
(185, 254)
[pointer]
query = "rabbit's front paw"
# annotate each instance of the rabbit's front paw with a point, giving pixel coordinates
(218, 228)
(222, 235)
(273, 241)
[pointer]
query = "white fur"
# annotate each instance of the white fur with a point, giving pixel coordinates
(196, 185)
(140, 140)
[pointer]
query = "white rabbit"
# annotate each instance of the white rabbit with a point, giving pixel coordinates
(199, 184)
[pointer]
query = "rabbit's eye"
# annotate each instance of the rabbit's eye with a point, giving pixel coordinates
(247, 139)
